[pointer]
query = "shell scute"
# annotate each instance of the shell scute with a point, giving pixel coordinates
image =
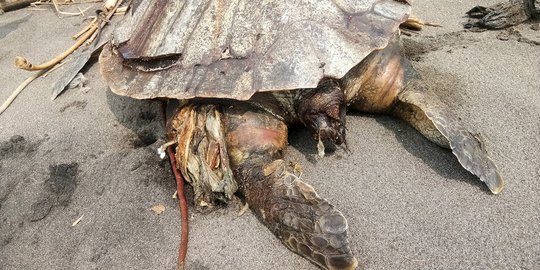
(233, 49)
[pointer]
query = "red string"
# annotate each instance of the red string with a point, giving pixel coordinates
(182, 202)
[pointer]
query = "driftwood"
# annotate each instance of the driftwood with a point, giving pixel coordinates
(9, 5)
(70, 70)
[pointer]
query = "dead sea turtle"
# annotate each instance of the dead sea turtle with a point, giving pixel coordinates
(246, 70)
(504, 14)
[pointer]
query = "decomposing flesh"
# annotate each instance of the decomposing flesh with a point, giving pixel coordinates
(242, 143)
(277, 64)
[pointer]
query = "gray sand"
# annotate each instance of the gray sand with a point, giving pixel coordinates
(408, 202)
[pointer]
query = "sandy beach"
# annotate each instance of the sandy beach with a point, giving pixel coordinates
(409, 204)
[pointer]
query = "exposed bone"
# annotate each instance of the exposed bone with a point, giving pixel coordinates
(57, 66)
(23, 63)
(44, 68)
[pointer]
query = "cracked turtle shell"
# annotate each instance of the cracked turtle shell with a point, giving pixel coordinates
(233, 49)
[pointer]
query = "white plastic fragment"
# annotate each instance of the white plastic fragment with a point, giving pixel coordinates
(77, 221)
(161, 150)
(320, 148)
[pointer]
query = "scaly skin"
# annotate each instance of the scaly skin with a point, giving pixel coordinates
(223, 146)
(291, 208)
(255, 141)
(504, 14)
(385, 82)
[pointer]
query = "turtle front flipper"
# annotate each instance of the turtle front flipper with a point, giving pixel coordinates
(434, 120)
(501, 15)
(385, 82)
(289, 207)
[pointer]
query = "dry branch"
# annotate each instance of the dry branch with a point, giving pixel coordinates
(19, 90)
(415, 24)
(81, 12)
(9, 5)
(85, 29)
(23, 63)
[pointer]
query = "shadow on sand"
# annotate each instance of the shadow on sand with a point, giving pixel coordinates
(439, 159)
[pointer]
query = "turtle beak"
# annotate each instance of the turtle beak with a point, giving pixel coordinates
(329, 130)
(322, 111)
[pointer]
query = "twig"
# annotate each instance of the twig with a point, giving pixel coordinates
(415, 24)
(105, 21)
(77, 221)
(432, 24)
(54, 68)
(81, 12)
(22, 63)
(85, 29)
(182, 202)
(37, 3)
(19, 90)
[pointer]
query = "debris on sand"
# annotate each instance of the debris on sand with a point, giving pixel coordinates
(158, 209)
(81, 51)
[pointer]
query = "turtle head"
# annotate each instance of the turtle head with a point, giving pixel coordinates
(322, 110)
(324, 126)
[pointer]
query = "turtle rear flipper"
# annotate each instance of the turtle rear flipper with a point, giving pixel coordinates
(434, 120)
(289, 207)
(501, 15)
(215, 141)
(304, 222)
